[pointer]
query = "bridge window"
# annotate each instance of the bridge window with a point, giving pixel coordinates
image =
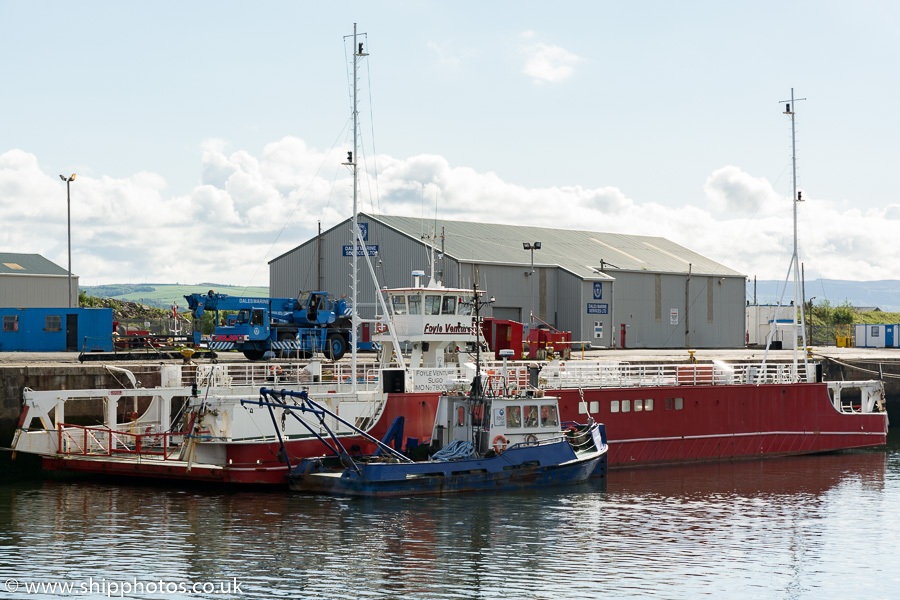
(398, 305)
(514, 417)
(432, 305)
(415, 304)
(531, 416)
(464, 309)
(548, 416)
(449, 305)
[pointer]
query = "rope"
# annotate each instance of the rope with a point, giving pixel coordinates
(849, 366)
(455, 450)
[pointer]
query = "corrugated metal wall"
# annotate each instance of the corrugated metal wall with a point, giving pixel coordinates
(643, 301)
(36, 291)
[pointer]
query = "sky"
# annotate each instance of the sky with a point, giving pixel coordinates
(207, 137)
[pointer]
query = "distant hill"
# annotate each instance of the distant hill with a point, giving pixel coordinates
(163, 295)
(883, 294)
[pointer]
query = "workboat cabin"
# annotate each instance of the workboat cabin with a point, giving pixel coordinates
(509, 420)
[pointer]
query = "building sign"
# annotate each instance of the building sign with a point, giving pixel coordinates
(598, 290)
(372, 248)
(432, 380)
(364, 230)
(597, 308)
(673, 316)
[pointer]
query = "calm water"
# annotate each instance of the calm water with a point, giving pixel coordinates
(809, 527)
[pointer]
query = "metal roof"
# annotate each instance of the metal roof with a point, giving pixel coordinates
(580, 252)
(28, 264)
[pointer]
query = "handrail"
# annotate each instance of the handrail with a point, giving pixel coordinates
(104, 441)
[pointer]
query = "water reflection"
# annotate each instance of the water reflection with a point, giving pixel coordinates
(818, 526)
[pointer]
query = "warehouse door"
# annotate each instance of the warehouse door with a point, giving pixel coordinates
(72, 332)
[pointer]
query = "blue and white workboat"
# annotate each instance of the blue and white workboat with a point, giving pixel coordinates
(480, 442)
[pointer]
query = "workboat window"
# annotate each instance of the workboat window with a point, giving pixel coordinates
(415, 304)
(614, 406)
(464, 309)
(398, 305)
(626, 405)
(432, 305)
(514, 416)
(53, 323)
(548, 416)
(638, 405)
(679, 403)
(448, 306)
(648, 404)
(531, 416)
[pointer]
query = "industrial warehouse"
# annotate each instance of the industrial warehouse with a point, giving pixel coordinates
(612, 290)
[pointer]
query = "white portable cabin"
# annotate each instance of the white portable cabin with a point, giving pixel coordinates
(877, 336)
(759, 324)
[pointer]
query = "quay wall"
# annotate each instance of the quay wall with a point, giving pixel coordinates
(14, 379)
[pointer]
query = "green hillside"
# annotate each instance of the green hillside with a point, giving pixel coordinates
(163, 295)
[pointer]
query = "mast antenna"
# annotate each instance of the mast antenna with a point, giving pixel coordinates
(789, 109)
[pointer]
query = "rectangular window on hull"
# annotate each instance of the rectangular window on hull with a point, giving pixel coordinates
(648, 404)
(614, 406)
(626, 405)
(638, 405)
(679, 403)
(670, 403)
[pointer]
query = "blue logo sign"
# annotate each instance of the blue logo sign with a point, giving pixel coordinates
(364, 230)
(598, 290)
(596, 308)
(371, 248)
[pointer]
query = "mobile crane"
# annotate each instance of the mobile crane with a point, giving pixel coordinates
(312, 322)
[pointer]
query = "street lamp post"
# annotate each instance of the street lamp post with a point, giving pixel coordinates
(69, 181)
(531, 246)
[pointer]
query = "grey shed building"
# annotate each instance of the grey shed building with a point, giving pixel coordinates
(32, 281)
(599, 286)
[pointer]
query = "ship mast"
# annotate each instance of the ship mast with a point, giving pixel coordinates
(795, 259)
(358, 54)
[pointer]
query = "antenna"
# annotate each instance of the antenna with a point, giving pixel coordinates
(795, 259)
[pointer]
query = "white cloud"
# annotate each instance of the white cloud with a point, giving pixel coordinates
(450, 57)
(546, 63)
(227, 228)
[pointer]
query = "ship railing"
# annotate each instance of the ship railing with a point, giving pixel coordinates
(611, 374)
(79, 440)
(339, 375)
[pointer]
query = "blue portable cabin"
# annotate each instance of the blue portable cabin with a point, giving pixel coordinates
(56, 329)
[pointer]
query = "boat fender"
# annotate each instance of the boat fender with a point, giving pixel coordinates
(499, 444)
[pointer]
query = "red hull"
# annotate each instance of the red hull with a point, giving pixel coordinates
(713, 423)
(723, 422)
(257, 462)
